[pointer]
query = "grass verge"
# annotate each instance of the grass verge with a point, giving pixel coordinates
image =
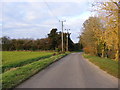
(13, 59)
(16, 76)
(19, 64)
(108, 65)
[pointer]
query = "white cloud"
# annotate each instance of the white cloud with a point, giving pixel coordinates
(26, 33)
(28, 19)
(1, 6)
(76, 1)
(43, 0)
(30, 16)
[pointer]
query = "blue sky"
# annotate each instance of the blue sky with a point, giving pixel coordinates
(35, 19)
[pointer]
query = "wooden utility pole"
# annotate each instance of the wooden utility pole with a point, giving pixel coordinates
(67, 45)
(62, 34)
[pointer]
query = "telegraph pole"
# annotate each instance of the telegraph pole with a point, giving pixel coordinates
(67, 40)
(62, 34)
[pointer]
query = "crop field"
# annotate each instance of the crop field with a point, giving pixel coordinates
(12, 59)
(21, 65)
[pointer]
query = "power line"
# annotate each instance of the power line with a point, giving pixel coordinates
(59, 21)
(51, 10)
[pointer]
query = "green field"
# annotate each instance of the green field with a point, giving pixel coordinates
(22, 65)
(108, 65)
(13, 59)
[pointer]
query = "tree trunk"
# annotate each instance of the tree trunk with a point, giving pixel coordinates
(103, 52)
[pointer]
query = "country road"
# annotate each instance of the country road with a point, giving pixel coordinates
(72, 71)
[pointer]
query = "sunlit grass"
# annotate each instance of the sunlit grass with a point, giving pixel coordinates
(13, 59)
(13, 77)
(108, 65)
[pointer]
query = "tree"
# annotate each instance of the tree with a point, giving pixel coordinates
(101, 35)
(109, 11)
(52, 42)
(91, 36)
(6, 42)
(53, 37)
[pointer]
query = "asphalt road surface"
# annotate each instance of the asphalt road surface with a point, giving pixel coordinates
(72, 71)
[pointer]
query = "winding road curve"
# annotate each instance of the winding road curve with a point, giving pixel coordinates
(72, 71)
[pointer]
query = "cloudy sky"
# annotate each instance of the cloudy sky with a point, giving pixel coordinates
(35, 19)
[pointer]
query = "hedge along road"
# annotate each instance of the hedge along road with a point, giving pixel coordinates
(72, 71)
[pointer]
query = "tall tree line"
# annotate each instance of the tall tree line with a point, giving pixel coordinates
(52, 42)
(101, 33)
